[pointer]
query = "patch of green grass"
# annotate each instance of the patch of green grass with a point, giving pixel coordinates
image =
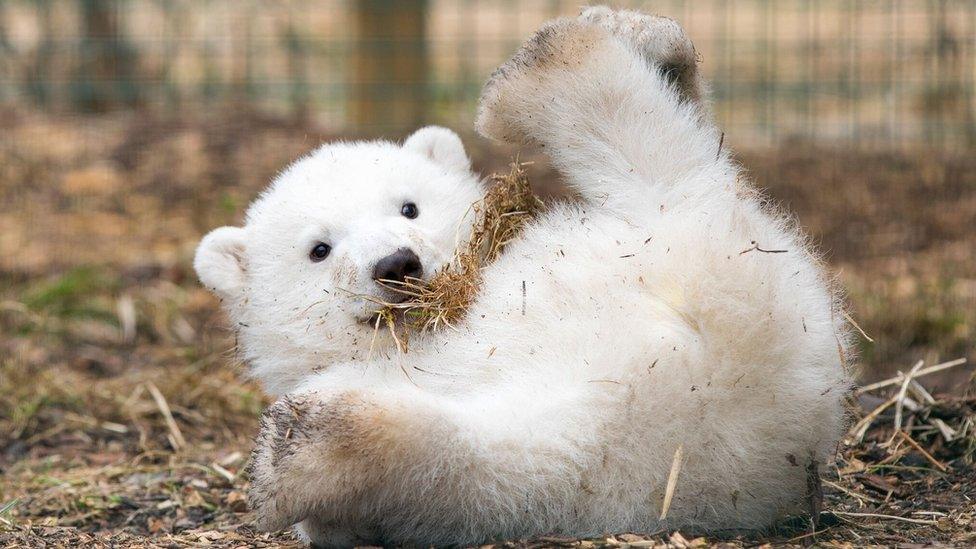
(72, 294)
(26, 396)
(228, 204)
(250, 402)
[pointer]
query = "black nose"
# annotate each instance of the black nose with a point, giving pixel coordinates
(398, 266)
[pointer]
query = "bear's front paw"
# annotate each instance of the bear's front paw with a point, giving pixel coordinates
(289, 461)
(316, 456)
(271, 449)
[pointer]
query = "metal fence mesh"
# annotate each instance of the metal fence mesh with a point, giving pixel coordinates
(130, 128)
(873, 73)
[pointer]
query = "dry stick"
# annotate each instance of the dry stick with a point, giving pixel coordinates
(672, 481)
(948, 433)
(891, 517)
(860, 497)
(220, 470)
(641, 543)
(898, 379)
(126, 311)
(855, 324)
(941, 466)
(861, 427)
(177, 441)
(903, 392)
(809, 534)
(920, 392)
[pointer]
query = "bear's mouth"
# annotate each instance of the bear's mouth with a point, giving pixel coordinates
(377, 317)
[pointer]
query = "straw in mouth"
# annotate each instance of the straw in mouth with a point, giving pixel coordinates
(443, 300)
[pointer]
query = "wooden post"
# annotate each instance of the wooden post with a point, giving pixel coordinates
(297, 75)
(389, 66)
(106, 73)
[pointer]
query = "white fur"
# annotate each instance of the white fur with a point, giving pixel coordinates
(218, 261)
(440, 145)
(613, 331)
(294, 316)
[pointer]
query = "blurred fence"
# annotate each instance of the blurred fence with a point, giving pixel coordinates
(870, 73)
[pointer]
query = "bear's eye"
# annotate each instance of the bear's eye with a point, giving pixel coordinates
(409, 210)
(319, 252)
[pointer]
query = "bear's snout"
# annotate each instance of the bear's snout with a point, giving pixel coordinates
(398, 266)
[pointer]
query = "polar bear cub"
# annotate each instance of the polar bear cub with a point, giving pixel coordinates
(295, 278)
(666, 309)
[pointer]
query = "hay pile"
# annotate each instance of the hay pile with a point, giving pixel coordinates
(499, 218)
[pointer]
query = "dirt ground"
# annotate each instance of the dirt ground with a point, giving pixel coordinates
(125, 418)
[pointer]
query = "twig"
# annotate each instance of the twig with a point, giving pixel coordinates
(861, 427)
(808, 534)
(903, 392)
(930, 513)
(860, 497)
(889, 517)
(126, 311)
(755, 246)
(220, 470)
(941, 466)
(672, 481)
(920, 392)
(898, 379)
(948, 433)
(856, 325)
(177, 441)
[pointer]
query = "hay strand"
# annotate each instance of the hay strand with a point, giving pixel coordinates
(903, 393)
(176, 436)
(443, 300)
(672, 481)
(918, 447)
(898, 379)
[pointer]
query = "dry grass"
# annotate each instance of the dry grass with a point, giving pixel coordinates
(498, 218)
(98, 303)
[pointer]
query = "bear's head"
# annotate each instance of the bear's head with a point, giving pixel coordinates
(295, 278)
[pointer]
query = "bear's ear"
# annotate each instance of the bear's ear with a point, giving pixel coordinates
(219, 261)
(440, 145)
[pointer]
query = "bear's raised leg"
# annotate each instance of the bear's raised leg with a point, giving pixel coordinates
(615, 98)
